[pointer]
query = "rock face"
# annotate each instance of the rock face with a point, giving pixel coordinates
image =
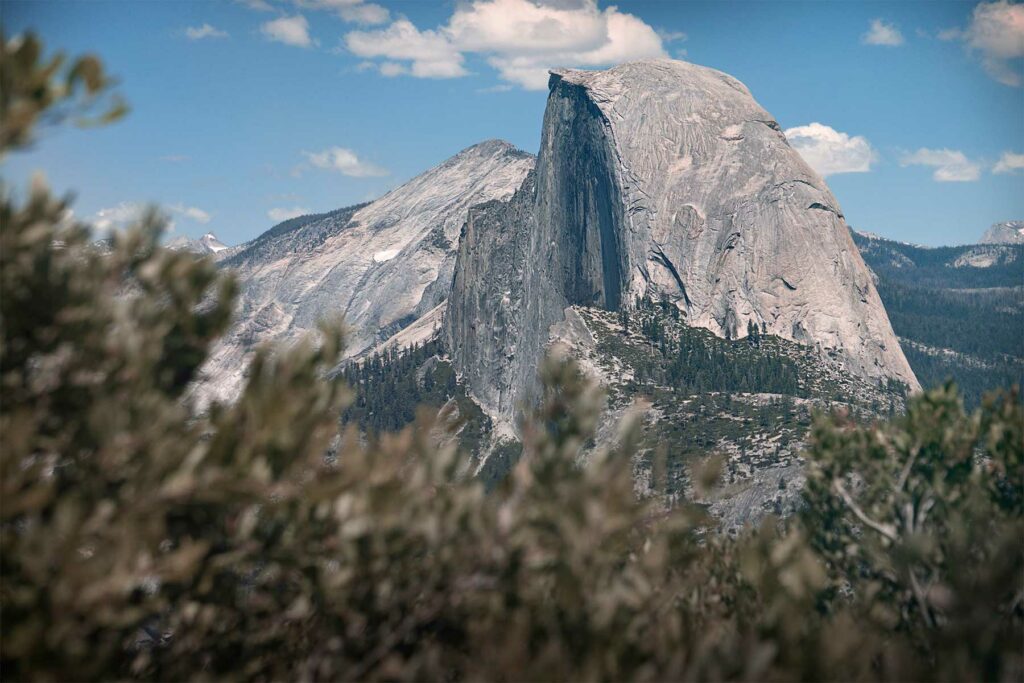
(485, 315)
(661, 179)
(208, 244)
(1007, 232)
(382, 265)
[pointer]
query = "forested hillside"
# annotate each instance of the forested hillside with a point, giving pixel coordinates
(959, 311)
(751, 400)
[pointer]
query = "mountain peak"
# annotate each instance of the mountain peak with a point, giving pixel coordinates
(207, 244)
(1007, 232)
(210, 241)
(384, 264)
(493, 147)
(670, 76)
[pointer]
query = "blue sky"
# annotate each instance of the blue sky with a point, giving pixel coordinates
(244, 113)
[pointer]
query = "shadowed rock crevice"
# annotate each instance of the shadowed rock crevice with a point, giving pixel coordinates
(582, 210)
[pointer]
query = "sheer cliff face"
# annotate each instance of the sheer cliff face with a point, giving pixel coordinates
(485, 316)
(666, 179)
(381, 265)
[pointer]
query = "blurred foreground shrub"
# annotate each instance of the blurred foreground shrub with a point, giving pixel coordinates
(139, 540)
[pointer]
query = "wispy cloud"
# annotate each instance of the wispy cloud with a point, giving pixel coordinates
(352, 11)
(668, 36)
(191, 212)
(257, 5)
(279, 214)
(995, 34)
(829, 151)
(951, 166)
(519, 38)
(114, 218)
(344, 161)
(174, 158)
(500, 87)
(288, 30)
(1009, 162)
(392, 69)
(430, 53)
(882, 33)
(204, 32)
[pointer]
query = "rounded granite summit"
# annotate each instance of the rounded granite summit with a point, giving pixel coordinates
(667, 180)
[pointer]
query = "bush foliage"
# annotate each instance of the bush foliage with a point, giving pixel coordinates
(141, 540)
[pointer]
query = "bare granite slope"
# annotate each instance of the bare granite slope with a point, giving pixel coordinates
(1007, 232)
(381, 265)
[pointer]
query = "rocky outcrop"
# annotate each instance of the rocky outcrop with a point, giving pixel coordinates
(1007, 232)
(484, 317)
(207, 245)
(665, 180)
(381, 265)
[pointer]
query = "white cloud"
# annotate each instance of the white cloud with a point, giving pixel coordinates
(520, 38)
(344, 161)
(1010, 162)
(996, 35)
(365, 13)
(288, 30)
(882, 33)
(279, 214)
(120, 216)
(257, 5)
(828, 151)
(352, 11)
(192, 212)
(115, 218)
(204, 31)
(391, 69)
(430, 52)
(950, 165)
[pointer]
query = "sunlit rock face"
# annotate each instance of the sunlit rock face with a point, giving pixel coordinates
(1007, 232)
(382, 265)
(666, 180)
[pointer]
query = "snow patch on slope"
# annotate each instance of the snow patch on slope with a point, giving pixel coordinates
(386, 255)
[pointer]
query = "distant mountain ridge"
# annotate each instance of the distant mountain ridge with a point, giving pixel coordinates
(959, 311)
(1007, 232)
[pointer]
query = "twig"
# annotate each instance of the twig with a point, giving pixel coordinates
(886, 530)
(905, 474)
